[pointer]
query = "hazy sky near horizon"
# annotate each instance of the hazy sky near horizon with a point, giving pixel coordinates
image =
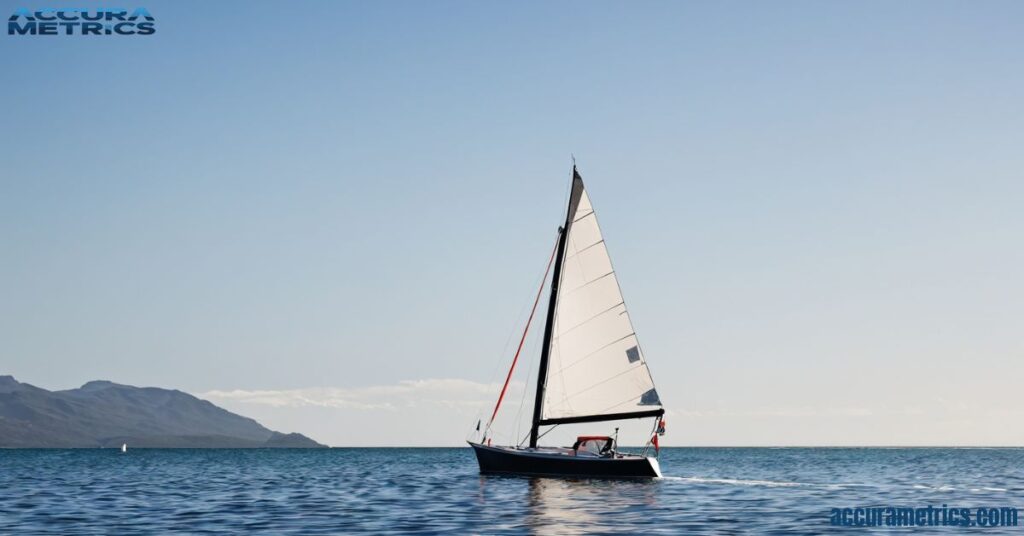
(331, 216)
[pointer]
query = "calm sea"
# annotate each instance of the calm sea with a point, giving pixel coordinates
(342, 491)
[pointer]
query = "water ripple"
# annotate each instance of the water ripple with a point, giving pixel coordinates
(435, 491)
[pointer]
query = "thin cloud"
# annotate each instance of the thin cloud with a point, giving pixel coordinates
(442, 392)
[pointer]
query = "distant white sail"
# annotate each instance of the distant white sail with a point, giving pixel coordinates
(124, 447)
(596, 366)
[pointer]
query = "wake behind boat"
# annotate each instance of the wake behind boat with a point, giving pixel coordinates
(591, 365)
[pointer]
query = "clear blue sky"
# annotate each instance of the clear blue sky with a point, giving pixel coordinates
(814, 208)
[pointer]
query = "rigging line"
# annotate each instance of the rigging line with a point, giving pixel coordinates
(527, 436)
(497, 362)
(522, 399)
(546, 432)
(482, 408)
(523, 338)
(654, 430)
(529, 374)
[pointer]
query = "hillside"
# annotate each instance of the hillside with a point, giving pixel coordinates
(106, 414)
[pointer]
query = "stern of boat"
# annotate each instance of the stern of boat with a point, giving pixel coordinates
(655, 467)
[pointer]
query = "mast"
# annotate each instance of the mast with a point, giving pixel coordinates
(542, 376)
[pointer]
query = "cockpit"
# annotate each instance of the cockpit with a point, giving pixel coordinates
(593, 446)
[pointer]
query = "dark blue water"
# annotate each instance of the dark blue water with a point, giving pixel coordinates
(343, 491)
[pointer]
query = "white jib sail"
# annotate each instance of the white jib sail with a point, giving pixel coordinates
(595, 365)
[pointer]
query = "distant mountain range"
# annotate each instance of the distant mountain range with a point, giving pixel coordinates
(106, 414)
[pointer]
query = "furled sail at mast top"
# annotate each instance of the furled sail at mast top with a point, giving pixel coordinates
(596, 370)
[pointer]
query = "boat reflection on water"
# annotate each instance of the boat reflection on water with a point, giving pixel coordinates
(565, 506)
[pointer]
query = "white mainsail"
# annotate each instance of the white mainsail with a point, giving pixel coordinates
(595, 367)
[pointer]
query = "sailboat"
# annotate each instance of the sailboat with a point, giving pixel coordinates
(591, 366)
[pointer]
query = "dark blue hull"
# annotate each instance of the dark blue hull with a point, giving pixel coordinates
(506, 460)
